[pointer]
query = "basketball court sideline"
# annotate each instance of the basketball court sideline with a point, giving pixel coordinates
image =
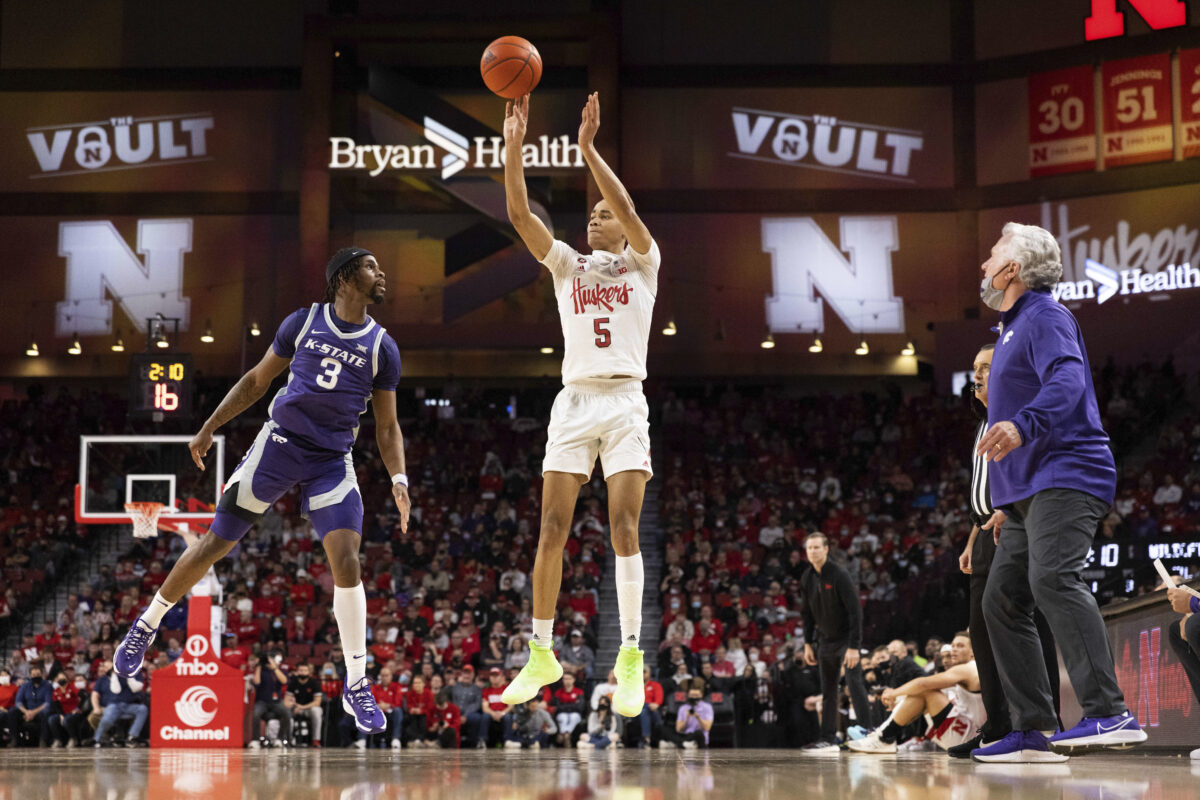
(624, 774)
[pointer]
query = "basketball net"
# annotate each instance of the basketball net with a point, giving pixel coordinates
(145, 518)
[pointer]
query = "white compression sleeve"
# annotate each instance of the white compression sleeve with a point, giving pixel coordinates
(630, 577)
(350, 610)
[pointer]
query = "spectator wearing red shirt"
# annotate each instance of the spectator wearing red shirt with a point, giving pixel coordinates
(418, 713)
(154, 577)
(302, 627)
(745, 630)
(68, 722)
(722, 667)
(49, 637)
(569, 706)
(245, 627)
(268, 604)
(384, 650)
(705, 639)
(8, 690)
(412, 647)
(706, 613)
(302, 592)
(493, 709)
(234, 654)
(650, 717)
(582, 602)
(445, 723)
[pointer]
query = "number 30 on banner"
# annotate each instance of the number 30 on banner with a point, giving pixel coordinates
(1062, 122)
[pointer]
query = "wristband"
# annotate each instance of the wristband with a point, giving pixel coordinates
(401, 479)
(1194, 605)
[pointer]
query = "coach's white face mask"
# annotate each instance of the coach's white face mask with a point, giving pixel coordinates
(992, 297)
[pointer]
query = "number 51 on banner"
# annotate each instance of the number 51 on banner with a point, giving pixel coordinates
(1137, 110)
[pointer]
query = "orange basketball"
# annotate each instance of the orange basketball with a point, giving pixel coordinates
(511, 67)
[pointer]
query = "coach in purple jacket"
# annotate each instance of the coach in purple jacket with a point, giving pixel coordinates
(1053, 480)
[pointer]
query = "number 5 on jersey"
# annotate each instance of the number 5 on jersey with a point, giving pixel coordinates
(603, 335)
(329, 378)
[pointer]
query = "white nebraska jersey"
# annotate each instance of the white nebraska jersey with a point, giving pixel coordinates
(605, 302)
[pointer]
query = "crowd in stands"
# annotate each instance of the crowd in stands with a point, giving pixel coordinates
(883, 475)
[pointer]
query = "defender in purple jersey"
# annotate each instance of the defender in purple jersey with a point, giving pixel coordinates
(340, 360)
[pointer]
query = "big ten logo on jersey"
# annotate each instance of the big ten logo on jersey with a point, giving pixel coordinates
(861, 149)
(859, 289)
(101, 263)
(120, 143)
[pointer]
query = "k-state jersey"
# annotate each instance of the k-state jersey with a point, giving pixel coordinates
(335, 367)
(605, 304)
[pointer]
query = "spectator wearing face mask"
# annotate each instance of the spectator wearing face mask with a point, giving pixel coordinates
(33, 707)
(306, 691)
(115, 697)
(73, 706)
(270, 683)
(693, 721)
(601, 728)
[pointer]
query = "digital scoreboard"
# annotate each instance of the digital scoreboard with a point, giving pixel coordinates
(160, 386)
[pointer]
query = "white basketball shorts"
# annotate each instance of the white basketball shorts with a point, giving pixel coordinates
(591, 418)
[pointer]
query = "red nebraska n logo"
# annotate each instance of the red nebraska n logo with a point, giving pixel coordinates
(1106, 22)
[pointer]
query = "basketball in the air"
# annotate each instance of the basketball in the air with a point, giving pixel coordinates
(511, 67)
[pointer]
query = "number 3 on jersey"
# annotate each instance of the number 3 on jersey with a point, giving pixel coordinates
(603, 335)
(329, 378)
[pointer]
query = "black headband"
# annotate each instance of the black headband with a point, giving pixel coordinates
(333, 266)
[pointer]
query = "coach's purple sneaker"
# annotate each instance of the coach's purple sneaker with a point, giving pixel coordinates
(127, 660)
(1094, 733)
(1019, 747)
(358, 701)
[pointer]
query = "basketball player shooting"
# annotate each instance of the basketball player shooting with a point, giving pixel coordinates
(340, 358)
(605, 301)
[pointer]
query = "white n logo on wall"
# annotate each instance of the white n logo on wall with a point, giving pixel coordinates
(804, 261)
(100, 263)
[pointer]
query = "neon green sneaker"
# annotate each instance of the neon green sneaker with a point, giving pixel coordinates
(543, 669)
(631, 691)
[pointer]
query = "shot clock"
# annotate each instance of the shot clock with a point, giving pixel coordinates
(160, 386)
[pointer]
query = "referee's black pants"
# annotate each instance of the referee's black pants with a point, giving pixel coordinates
(829, 661)
(999, 721)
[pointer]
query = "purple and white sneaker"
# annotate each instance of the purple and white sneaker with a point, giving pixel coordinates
(1019, 747)
(1095, 733)
(127, 660)
(358, 701)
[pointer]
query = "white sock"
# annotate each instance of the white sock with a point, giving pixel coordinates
(630, 578)
(543, 632)
(350, 610)
(155, 611)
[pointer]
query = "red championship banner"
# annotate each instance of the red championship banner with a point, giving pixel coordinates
(1062, 122)
(1189, 106)
(197, 701)
(1137, 110)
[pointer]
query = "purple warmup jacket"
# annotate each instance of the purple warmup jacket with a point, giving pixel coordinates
(1041, 382)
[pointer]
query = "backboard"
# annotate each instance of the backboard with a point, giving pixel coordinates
(115, 470)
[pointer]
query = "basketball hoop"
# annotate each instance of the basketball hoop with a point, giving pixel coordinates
(145, 518)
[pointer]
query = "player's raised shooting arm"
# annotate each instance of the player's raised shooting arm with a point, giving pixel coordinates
(531, 229)
(607, 181)
(247, 391)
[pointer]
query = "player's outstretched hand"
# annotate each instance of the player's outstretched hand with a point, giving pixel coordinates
(516, 118)
(590, 121)
(404, 503)
(199, 446)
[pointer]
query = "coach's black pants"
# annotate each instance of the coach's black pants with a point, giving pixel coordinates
(999, 723)
(1043, 547)
(829, 661)
(1188, 651)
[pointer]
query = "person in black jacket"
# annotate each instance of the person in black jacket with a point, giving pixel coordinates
(833, 620)
(976, 561)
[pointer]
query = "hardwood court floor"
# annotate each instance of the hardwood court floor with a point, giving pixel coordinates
(576, 775)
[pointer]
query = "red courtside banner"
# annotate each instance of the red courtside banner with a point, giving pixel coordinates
(1189, 106)
(1137, 110)
(197, 701)
(1062, 122)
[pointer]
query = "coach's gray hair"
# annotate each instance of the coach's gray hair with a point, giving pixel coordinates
(1036, 250)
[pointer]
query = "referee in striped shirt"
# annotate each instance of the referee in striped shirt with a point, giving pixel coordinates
(975, 560)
